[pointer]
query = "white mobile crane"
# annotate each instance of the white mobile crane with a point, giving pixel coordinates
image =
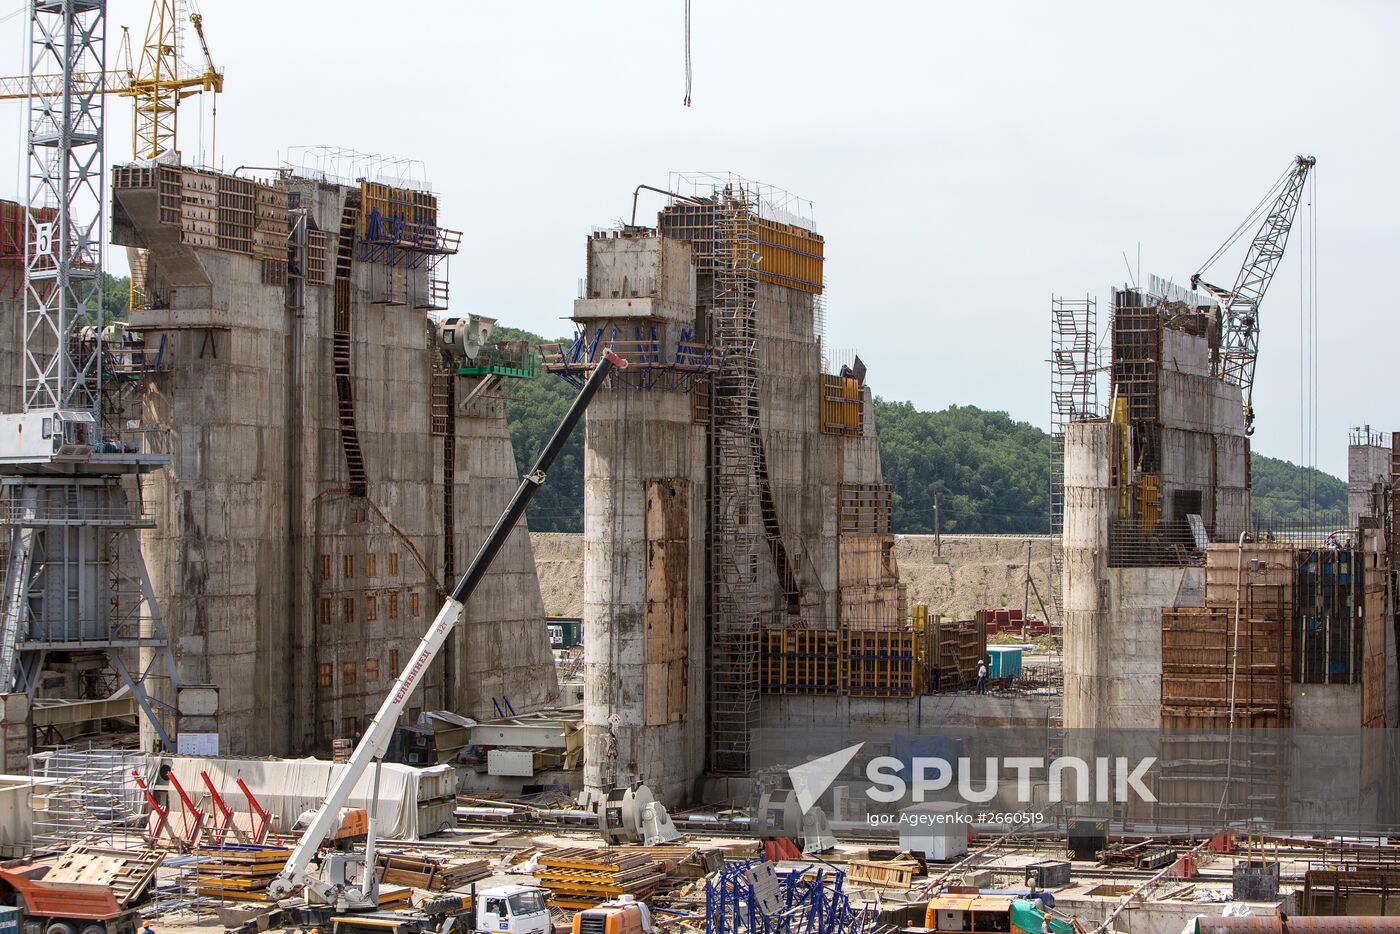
(348, 880)
(1239, 307)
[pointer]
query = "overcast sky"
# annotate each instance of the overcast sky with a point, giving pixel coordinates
(964, 160)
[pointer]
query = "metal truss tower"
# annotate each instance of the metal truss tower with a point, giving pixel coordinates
(77, 598)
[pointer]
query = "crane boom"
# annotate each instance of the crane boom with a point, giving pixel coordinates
(1239, 307)
(375, 741)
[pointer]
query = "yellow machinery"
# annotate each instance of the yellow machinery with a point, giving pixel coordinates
(156, 85)
(623, 915)
(968, 914)
(153, 82)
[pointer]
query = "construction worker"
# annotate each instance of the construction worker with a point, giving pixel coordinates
(981, 676)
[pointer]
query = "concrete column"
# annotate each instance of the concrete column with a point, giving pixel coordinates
(631, 729)
(1089, 502)
(1367, 465)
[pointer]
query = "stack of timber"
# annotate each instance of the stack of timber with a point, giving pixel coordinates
(435, 873)
(127, 873)
(581, 877)
(887, 874)
(680, 862)
(238, 871)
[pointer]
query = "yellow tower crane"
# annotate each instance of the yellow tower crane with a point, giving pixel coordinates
(156, 82)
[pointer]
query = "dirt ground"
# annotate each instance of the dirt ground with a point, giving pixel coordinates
(980, 572)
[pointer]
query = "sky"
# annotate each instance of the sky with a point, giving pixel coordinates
(964, 161)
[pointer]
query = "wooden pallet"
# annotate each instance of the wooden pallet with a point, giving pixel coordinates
(894, 874)
(435, 873)
(127, 872)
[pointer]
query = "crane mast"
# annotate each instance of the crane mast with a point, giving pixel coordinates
(1239, 307)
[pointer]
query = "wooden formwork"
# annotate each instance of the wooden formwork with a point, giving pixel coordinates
(788, 255)
(1206, 650)
(400, 215)
(865, 508)
(956, 649)
(1261, 575)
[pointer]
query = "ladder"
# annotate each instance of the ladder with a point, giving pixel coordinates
(340, 347)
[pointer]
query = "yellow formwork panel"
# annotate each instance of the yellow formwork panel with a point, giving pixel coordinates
(399, 214)
(790, 256)
(841, 410)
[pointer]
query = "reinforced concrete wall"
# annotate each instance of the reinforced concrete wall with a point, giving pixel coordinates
(1367, 466)
(1112, 616)
(280, 583)
(644, 532)
(1128, 548)
(1204, 447)
(645, 566)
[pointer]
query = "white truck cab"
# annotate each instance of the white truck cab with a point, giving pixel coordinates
(511, 909)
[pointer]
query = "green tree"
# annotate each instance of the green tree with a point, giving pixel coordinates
(116, 297)
(534, 408)
(991, 471)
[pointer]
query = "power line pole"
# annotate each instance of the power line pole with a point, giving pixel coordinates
(937, 532)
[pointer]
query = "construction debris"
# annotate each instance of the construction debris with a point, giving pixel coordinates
(127, 872)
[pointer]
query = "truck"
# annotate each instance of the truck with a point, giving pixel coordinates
(65, 907)
(622, 915)
(504, 909)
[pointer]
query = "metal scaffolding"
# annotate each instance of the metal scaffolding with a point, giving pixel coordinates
(735, 533)
(1074, 364)
(85, 796)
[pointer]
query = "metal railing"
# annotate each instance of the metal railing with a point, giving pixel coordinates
(1172, 543)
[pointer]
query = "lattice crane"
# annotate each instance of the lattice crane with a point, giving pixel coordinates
(154, 82)
(1239, 307)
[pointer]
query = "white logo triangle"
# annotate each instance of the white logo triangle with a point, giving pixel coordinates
(811, 780)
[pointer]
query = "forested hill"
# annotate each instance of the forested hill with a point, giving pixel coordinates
(992, 473)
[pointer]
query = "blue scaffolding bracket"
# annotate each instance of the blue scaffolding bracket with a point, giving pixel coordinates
(647, 364)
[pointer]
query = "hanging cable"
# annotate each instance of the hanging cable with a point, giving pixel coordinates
(1312, 277)
(687, 53)
(1302, 387)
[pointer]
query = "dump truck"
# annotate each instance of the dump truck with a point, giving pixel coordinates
(65, 907)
